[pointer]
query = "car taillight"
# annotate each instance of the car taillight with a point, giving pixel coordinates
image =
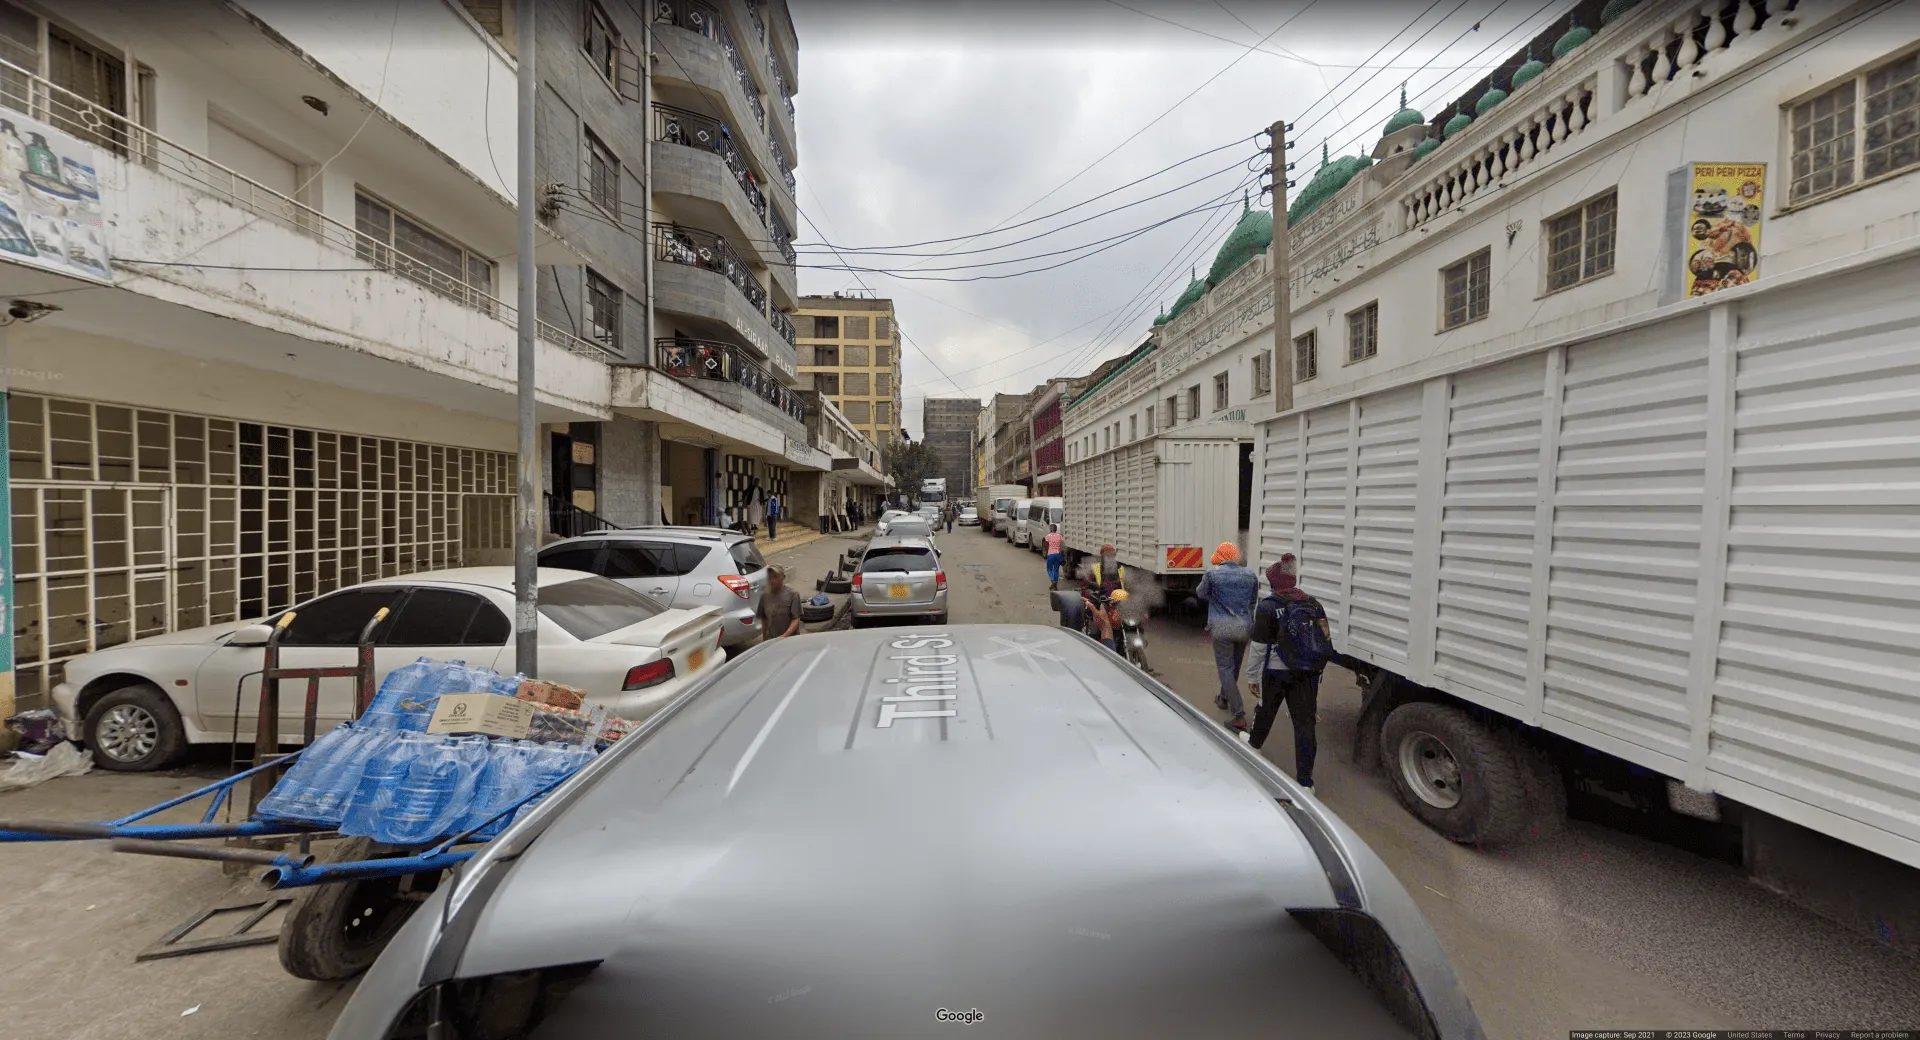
(741, 587)
(939, 581)
(856, 579)
(639, 677)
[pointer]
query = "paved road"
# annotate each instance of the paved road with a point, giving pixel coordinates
(1597, 929)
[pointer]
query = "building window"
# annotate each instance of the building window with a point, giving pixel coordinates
(883, 382)
(1133, 427)
(603, 311)
(858, 411)
(855, 383)
(603, 177)
(1831, 155)
(826, 328)
(410, 248)
(1466, 285)
(1149, 420)
(1306, 356)
(882, 356)
(828, 356)
(1363, 332)
(1262, 373)
(490, 15)
(1193, 403)
(882, 412)
(601, 41)
(856, 357)
(1580, 242)
(856, 327)
(881, 327)
(1220, 391)
(827, 382)
(1173, 412)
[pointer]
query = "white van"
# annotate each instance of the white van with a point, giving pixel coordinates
(1016, 516)
(1040, 513)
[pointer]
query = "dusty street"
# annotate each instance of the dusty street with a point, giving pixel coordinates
(1597, 929)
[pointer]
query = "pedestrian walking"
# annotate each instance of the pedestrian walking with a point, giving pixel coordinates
(1230, 591)
(773, 517)
(1053, 556)
(949, 512)
(756, 510)
(779, 609)
(1290, 648)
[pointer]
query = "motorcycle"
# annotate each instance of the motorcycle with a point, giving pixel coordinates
(1073, 614)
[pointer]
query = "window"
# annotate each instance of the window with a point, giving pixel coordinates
(827, 382)
(858, 411)
(490, 15)
(574, 556)
(1133, 427)
(603, 177)
(603, 311)
(1466, 286)
(1220, 391)
(446, 617)
(1193, 403)
(1262, 373)
(593, 607)
(746, 557)
(1580, 243)
(856, 357)
(828, 356)
(601, 41)
(854, 383)
(1173, 412)
(410, 248)
(881, 327)
(1363, 332)
(899, 559)
(883, 382)
(882, 356)
(883, 412)
(1829, 152)
(336, 620)
(856, 327)
(826, 328)
(1149, 420)
(1306, 356)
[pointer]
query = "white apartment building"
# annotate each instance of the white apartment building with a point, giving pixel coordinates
(277, 239)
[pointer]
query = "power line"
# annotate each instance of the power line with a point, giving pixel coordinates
(1376, 53)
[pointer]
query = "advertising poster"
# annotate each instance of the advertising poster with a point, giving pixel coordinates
(50, 200)
(1723, 226)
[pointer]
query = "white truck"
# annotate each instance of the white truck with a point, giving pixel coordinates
(933, 498)
(1164, 503)
(994, 502)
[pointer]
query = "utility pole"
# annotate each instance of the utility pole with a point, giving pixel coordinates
(526, 532)
(1281, 255)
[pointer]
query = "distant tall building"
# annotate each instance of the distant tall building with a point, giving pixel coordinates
(947, 425)
(850, 352)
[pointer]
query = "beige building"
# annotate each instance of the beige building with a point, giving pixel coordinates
(850, 353)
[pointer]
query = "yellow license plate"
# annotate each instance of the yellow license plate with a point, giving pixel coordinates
(696, 659)
(899, 591)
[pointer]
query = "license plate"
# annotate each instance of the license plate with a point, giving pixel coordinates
(695, 660)
(899, 591)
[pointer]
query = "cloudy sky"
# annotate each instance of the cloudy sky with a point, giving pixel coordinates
(925, 120)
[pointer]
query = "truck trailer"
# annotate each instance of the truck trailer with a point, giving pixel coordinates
(994, 501)
(1164, 503)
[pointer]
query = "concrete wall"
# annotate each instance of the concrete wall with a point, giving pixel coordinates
(629, 471)
(700, 293)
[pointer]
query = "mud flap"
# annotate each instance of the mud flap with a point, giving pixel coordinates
(1375, 701)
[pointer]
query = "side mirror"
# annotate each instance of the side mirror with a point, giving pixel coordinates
(252, 635)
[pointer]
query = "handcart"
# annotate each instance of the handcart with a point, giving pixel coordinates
(347, 906)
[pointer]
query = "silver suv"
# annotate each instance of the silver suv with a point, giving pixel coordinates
(679, 566)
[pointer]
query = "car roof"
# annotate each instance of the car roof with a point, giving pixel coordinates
(703, 535)
(1061, 838)
(490, 577)
(891, 541)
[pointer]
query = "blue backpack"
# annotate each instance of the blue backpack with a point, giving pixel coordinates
(1295, 632)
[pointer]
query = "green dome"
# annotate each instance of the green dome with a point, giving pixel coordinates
(1574, 37)
(1332, 176)
(1529, 72)
(1614, 9)
(1492, 97)
(1404, 118)
(1459, 122)
(1420, 150)
(1195, 290)
(1248, 239)
(1162, 319)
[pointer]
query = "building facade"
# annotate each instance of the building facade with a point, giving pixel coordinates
(275, 350)
(1010, 439)
(948, 426)
(850, 352)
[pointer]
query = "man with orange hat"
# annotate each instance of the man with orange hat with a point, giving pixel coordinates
(1291, 647)
(1230, 590)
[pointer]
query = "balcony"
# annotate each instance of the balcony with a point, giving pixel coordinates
(715, 66)
(678, 244)
(698, 274)
(707, 362)
(694, 160)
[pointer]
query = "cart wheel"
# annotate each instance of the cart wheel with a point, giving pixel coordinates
(336, 931)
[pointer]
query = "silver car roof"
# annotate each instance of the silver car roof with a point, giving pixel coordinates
(888, 541)
(684, 534)
(843, 833)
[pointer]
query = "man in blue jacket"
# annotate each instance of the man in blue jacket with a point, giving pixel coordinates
(1230, 590)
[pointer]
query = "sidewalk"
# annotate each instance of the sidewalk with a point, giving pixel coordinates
(793, 537)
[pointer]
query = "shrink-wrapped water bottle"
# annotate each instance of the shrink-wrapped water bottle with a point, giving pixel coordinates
(373, 795)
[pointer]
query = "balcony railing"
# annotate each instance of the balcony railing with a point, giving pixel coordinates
(679, 244)
(704, 19)
(784, 326)
(783, 239)
(759, 24)
(693, 130)
(120, 136)
(707, 359)
(780, 83)
(780, 159)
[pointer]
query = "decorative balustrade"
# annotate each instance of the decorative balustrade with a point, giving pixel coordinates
(780, 159)
(1673, 47)
(784, 326)
(679, 244)
(687, 358)
(783, 239)
(780, 83)
(693, 130)
(759, 24)
(1482, 159)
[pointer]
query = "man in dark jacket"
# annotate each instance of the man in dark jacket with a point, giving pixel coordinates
(1288, 669)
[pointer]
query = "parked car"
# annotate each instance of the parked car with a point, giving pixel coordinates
(1040, 832)
(1015, 531)
(899, 576)
(906, 524)
(679, 566)
(969, 517)
(1040, 513)
(138, 705)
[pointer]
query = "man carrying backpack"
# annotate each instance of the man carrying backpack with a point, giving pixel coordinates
(1291, 647)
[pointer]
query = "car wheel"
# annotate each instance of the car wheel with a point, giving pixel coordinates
(1463, 779)
(336, 931)
(134, 729)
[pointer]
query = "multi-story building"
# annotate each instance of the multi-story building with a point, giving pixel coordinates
(1013, 437)
(854, 474)
(947, 426)
(1047, 435)
(268, 248)
(850, 351)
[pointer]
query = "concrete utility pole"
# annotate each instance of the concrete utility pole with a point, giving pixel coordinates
(526, 532)
(1281, 255)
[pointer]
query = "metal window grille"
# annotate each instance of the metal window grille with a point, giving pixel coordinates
(883, 382)
(1580, 242)
(1220, 391)
(882, 412)
(1363, 332)
(856, 383)
(1467, 286)
(603, 176)
(882, 356)
(857, 411)
(856, 357)
(856, 326)
(1262, 373)
(405, 245)
(130, 522)
(881, 327)
(601, 42)
(1306, 356)
(603, 311)
(95, 76)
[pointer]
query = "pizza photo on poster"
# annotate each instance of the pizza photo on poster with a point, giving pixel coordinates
(1723, 233)
(50, 214)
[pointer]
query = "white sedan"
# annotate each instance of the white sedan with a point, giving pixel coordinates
(138, 705)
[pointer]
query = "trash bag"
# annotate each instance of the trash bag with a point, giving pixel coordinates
(820, 600)
(39, 729)
(29, 770)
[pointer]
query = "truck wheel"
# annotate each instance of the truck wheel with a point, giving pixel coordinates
(336, 931)
(1461, 778)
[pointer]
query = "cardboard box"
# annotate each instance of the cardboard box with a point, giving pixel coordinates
(551, 693)
(487, 713)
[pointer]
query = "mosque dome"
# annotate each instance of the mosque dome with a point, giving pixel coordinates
(1248, 239)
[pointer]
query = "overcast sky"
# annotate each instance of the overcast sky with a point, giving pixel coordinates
(930, 119)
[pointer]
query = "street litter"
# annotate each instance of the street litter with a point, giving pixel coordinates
(190, 1011)
(30, 770)
(39, 729)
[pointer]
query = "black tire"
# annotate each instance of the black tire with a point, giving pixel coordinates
(134, 729)
(838, 585)
(815, 614)
(1463, 779)
(334, 932)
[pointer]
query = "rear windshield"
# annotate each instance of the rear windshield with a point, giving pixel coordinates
(898, 558)
(1057, 515)
(1000, 505)
(746, 557)
(592, 607)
